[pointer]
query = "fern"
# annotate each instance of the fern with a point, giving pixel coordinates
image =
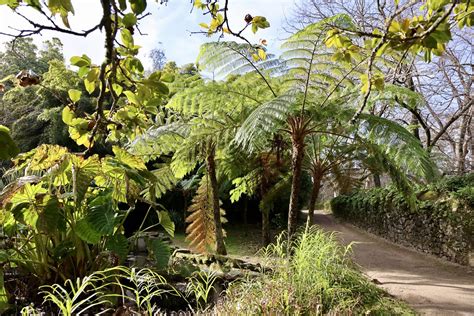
(398, 144)
(263, 122)
(201, 231)
(226, 58)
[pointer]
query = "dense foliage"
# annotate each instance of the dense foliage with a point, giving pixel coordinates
(106, 141)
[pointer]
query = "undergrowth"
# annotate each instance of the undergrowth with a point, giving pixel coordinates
(316, 278)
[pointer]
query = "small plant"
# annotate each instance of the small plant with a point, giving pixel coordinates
(200, 285)
(140, 287)
(137, 290)
(75, 298)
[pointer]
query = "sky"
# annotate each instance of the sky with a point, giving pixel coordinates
(169, 27)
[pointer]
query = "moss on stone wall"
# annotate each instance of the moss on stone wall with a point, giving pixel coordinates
(441, 223)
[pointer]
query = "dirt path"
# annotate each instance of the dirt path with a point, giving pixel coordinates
(429, 285)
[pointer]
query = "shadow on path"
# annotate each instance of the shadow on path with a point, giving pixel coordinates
(431, 286)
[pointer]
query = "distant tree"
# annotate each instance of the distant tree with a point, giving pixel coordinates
(33, 113)
(158, 58)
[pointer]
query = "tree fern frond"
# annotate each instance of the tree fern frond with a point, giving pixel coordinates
(396, 94)
(263, 121)
(159, 141)
(226, 58)
(201, 230)
(164, 181)
(398, 144)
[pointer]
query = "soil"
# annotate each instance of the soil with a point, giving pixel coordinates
(428, 284)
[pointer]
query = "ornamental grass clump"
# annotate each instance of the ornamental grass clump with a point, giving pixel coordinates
(315, 277)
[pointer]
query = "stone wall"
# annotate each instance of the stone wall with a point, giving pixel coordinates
(435, 223)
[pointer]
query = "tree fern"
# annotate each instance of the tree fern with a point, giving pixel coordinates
(398, 144)
(226, 58)
(267, 119)
(201, 233)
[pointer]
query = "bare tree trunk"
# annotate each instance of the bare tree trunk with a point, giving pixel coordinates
(317, 177)
(211, 170)
(460, 154)
(297, 155)
(471, 139)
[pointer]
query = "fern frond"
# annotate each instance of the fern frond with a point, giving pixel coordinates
(159, 141)
(226, 58)
(264, 121)
(398, 144)
(201, 230)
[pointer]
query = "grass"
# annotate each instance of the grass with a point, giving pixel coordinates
(317, 277)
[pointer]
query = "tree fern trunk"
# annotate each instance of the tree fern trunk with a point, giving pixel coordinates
(265, 227)
(297, 154)
(377, 182)
(211, 170)
(317, 177)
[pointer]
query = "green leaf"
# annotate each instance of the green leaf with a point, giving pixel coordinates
(128, 159)
(129, 20)
(158, 86)
(8, 148)
(127, 38)
(68, 115)
(93, 74)
(80, 61)
(51, 218)
(161, 252)
(118, 244)
(90, 86)
(101, 216)
(166, 222)
(254, 28)
(4, 306)
(132, 97)
(11, 3)
(74, 95)
(117, 89)
(86, 232)
(138, 6)
(122, 5)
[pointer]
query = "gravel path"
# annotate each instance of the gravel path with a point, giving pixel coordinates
(429, 285)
